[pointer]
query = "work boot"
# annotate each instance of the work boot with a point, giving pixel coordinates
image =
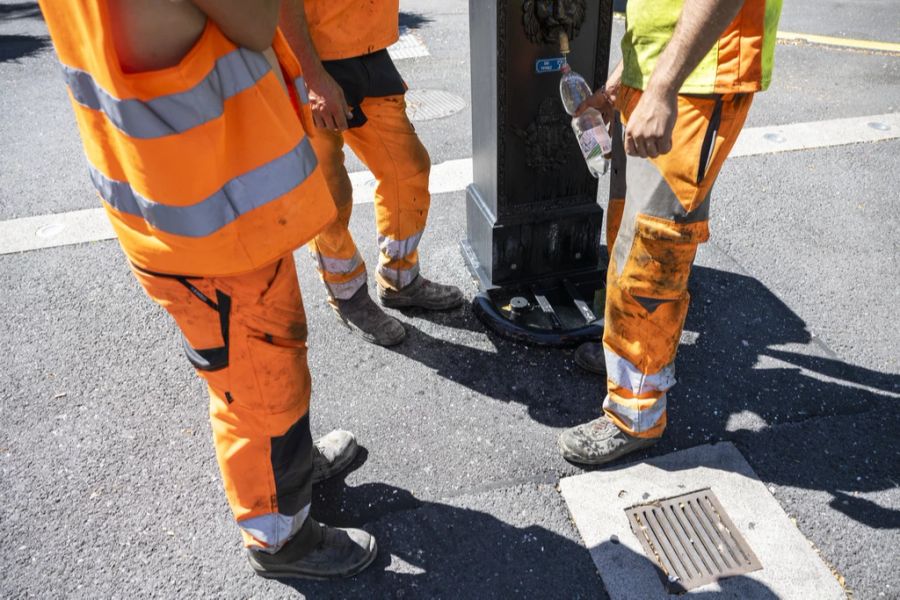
(422, 293)
(589, 356)
(332, 454)
(367, 320)
(317, 552)
(599, 441)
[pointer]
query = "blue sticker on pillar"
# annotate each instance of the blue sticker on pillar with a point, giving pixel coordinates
(549, 65)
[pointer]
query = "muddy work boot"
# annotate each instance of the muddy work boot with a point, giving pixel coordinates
(422, 293)
(332, 454)
(589, 356)
(367, 320)
(599, 441)
(317, 552)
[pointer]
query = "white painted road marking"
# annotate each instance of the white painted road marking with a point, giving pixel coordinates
(90, 225)
(450, 176)
(48, 231)
(818, 134)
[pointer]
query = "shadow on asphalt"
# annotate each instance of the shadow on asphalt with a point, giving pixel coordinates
(431, 549)
(738, 586)
(752, 365)
(413, 20)
(20, 10)
(14, 47)
(443, 551)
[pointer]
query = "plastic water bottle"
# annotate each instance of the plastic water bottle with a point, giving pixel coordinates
(591, 131)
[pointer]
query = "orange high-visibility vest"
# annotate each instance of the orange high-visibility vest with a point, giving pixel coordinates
(739, 62)
(349, 28)
(204, 168)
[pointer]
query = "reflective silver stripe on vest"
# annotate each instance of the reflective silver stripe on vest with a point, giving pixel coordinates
(239, 196)
(175, 113)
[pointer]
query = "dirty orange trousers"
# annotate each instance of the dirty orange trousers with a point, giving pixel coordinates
(246, 336)
(658, 215)
(388, 145)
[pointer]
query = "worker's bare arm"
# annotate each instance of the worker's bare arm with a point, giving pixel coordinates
(700, 25)
(649, 131)
(326, 98)
(248, 23)
(151, 34)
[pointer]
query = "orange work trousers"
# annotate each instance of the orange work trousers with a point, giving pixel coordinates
(388, 145)
(658, 215)
(246, 336)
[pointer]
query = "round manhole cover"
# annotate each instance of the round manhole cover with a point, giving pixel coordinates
(424, 105)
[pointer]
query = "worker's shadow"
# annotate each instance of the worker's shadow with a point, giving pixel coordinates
(501, 370)
(755, 366)
(747, 364)
(14, 47)
(437, 550)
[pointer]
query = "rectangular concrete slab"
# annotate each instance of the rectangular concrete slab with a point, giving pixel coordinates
(598, 500)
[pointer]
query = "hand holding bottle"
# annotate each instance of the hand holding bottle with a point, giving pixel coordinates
(604, 99)
(589, 126)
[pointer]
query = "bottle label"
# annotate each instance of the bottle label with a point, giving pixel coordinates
(595, 141)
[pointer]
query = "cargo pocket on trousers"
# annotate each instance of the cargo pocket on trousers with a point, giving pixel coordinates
(210, 360)
(660, 260)
(281, 375)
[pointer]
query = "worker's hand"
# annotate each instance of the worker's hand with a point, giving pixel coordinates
(649, 130)
(603, 99)
(327, 102)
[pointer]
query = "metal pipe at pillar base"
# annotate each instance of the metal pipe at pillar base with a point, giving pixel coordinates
(533, 223)
(561, 307)
(552, 314)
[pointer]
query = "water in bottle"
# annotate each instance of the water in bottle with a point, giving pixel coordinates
(589, 127)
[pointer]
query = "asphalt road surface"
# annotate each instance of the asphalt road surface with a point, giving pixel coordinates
(108, 483)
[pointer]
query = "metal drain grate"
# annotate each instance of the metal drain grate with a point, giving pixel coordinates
(424, 105)
(692, 540)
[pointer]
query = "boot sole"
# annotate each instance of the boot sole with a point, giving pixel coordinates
(354, 570)
(368, 337)
(373, 340)
(576, 458)
(404, 303)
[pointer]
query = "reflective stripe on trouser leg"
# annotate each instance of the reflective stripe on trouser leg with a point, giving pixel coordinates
(337, 259)
(389, 146)
(664, 219)
(342, 276)
(636, 401)
(399, 264)
(259, 393)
